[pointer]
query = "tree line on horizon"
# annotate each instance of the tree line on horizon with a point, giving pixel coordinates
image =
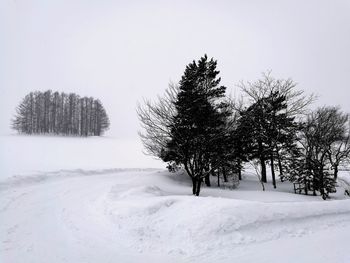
(60, 113)
(196, 127)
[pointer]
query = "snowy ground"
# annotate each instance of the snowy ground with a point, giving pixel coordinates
(145, 215)
(21, 154)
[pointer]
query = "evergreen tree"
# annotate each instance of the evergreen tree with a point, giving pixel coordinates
(198, 123)
(267, 132)
(253, 137)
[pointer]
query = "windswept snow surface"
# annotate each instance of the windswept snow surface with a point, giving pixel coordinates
(148, 215)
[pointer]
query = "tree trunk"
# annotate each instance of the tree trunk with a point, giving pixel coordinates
(194, 185)
(239, 170)
(336, 171)
(263, 170)
(314, 185)
(207, 180)
(262, 162)
(207, 177)
(198, 189)
(280, 164)
(218, 178)
(224, 174)
(273, 171)
(306, 186)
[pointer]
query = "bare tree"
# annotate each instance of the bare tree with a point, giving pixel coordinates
(256, 165)
(59, 113)
(323, 132)
(297, 101)
(271, 91)
(339, 152)
(156, 119)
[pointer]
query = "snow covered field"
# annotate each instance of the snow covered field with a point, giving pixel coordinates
(32, 154)
(76, 204)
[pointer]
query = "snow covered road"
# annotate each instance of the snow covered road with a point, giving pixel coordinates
(144, 216)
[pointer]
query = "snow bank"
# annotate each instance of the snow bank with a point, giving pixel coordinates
(184, 224)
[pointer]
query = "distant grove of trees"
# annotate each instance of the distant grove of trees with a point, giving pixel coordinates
(195, 126)
(60, 113)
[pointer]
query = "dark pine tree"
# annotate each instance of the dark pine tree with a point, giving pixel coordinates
(198, 124)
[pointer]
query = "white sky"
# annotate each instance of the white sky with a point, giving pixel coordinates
(122, 51)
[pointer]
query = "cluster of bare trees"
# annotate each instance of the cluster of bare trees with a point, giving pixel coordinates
(60, 113)
(305, 147)
(196, 127)
(324, 140)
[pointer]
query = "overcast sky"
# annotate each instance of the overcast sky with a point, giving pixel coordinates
(122, 51)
